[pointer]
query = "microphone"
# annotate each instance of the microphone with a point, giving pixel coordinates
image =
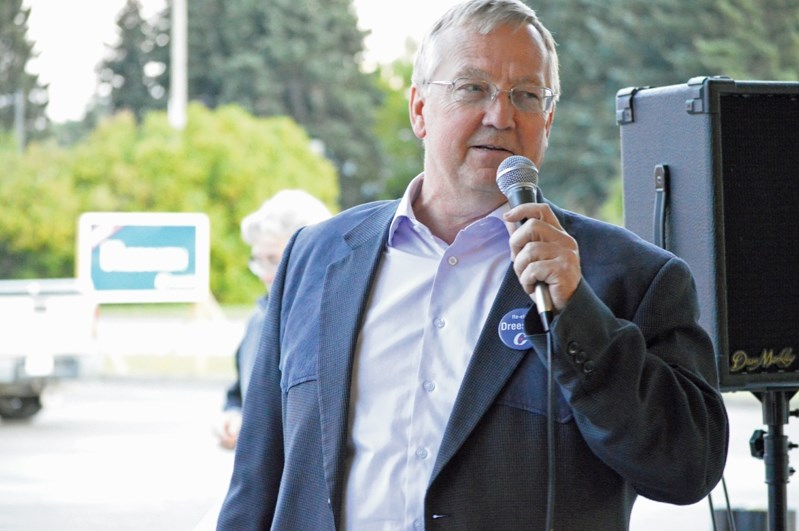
(517, 178)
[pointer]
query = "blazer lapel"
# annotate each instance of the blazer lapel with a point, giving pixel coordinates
(491, 366)
(346, 289)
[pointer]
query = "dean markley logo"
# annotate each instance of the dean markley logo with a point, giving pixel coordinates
(768, 360)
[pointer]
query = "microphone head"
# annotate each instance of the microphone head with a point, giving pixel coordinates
(516, 171)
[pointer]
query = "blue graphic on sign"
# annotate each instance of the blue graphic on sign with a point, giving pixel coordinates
(145, 257)
(135, 257)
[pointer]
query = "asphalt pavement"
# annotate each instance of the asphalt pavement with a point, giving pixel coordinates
(134, 450)
(115, 454)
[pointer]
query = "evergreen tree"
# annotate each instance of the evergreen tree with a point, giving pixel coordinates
(20, 91)
(403, 150)
(750, 39)
(295, 58)
(608, 45)
(125, 75)
(583, 157)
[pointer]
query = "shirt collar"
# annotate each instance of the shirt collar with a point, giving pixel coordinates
(405, 212)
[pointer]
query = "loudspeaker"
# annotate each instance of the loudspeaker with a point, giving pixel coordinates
(711, 172)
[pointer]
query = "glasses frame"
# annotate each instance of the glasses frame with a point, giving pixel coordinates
(547, 101)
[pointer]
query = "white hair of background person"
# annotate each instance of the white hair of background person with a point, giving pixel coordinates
(282, 215)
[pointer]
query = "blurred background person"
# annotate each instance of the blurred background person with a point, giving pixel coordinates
(267, 230)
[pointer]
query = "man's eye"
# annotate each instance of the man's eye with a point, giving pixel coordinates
(526, 94)
(473, 88)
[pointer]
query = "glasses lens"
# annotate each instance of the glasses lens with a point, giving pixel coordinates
(472, 91)
(530, 98)
(526, 98)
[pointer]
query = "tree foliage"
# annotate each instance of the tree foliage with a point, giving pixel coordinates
(751, 39)
(19, 89)
(403, 150)
(282, 57)
(607, 45)
(225, 163)
(130, 74)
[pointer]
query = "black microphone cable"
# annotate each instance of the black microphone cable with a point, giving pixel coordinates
(517, 179)
(545, 321)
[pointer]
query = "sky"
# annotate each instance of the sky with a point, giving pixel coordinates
(71, 38)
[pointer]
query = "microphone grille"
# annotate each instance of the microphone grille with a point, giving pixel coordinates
(516, 170)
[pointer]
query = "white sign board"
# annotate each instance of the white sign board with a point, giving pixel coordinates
(130, 257)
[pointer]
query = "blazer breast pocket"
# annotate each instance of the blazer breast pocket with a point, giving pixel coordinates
(298, 364)
(527, 390)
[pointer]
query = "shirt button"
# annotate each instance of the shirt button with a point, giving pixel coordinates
(422, 453)
(418, 524)
(429, 386)
(439, 322)
(452, 261)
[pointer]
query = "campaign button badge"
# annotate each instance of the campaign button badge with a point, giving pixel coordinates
(511, 330)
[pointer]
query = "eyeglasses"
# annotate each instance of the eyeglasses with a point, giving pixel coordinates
(525, 97)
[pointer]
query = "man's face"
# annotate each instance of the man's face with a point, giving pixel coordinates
(465, 143)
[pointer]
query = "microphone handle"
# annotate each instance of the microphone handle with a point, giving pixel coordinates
(520, 195)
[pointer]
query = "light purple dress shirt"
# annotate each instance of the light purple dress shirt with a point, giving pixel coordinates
(426, 311)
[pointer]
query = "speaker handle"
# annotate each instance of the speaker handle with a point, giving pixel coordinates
(661, 203)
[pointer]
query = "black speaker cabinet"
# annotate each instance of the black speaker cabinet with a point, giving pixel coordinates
(711, 172)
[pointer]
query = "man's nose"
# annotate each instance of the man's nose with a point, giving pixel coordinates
(499, 111)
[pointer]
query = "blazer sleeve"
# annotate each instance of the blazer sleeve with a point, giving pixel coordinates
(644, 390)
(258, 465)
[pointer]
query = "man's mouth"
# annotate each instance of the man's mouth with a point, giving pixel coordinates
(491, 147)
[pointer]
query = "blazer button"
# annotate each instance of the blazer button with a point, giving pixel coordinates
(588, 367)
(573, 347)
(580, 357)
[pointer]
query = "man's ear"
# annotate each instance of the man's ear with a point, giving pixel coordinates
(415, 109)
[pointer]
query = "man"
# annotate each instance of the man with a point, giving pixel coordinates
(385, 395)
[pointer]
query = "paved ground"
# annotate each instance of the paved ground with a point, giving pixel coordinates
(131, 452)
(122, 455)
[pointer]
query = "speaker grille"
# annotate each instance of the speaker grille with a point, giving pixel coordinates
(760, 184)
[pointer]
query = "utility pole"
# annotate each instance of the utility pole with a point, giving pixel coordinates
(19, 119)
(178, 74)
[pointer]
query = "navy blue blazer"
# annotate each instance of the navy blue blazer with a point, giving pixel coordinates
(637, 410)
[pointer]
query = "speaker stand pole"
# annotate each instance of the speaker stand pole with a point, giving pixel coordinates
(775, 456)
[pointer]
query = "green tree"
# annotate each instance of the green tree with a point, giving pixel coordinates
(750, 39)
(130, 75)
(404, 152)
(37, 198)
(224, 163)
(607, 45)
(21, 94)
(283, 57)
(583, 154)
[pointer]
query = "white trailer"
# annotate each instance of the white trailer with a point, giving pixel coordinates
(47, 333)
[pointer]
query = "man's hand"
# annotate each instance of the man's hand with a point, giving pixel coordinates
(543, 252)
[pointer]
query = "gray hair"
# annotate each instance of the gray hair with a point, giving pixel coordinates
(484, 16)
(283, 215)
